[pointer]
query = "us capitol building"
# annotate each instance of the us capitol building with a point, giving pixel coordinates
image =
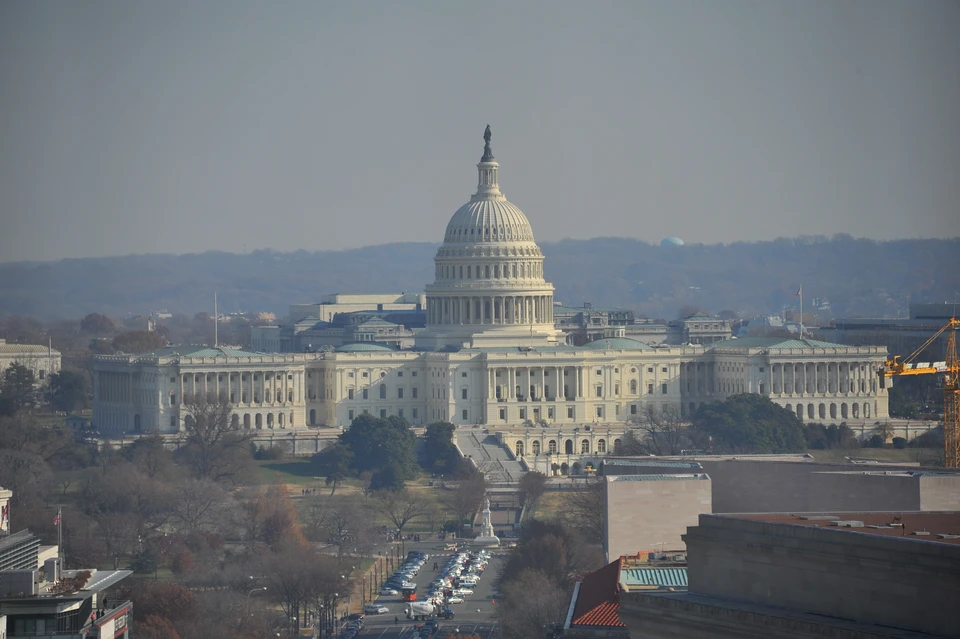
(489, 354)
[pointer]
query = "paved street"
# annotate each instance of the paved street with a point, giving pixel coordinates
(474, 616)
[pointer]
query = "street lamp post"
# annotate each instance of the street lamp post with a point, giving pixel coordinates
(246, 605)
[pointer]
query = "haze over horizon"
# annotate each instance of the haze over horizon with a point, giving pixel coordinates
(187, 127)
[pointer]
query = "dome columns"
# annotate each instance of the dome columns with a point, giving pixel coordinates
(490, 309)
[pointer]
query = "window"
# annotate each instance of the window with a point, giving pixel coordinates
(464, 413)
(633, 409)
(383, 374)
(523, 413)
(633, 387)
(350, 375)
(414, 391)
(503, 414)
(349, 393)
(616, 389)
(464, 374)
(650, 369)
(663, 389)
(463, 393)
(599, 372)
(399, 373)
(365, 374)
(601, 445)
(599, 411)
(599, 390)
(663, 370)
(761, 369)
(650, 389)
(173, 399)
(414, 413)
(383, 413)
(243, 397)
(551, 413)
(569, 412)
(413, 374)
(365, 393)
(552, 447)
(383, 391)
(173, 380)
(350, 415)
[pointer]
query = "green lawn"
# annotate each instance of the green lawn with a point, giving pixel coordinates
(294, 471)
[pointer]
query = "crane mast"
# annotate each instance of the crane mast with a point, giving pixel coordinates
(950, 369)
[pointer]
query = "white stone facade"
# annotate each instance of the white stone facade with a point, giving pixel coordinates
(490, 355)
(42, 360)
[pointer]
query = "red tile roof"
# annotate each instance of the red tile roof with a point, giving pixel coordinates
(599, 598)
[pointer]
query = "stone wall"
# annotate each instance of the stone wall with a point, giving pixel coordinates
(903, 583)
(651, 512)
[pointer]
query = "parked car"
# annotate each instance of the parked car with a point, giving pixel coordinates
(390, 592)
(454, 600)
(375, 609)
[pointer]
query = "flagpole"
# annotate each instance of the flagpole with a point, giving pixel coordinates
(801, 311)
(60, 535)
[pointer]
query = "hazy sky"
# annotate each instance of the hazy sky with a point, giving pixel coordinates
(183, 126)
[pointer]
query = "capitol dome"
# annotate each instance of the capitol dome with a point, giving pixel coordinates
(488, 287)
(488, 219)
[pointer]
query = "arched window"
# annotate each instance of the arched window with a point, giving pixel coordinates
(833, 411)
(633, 387)
(536, 446)
(810, 411)
(568, 447)
(518, 449)
(235, 421)
(843, 410)
(601, 445)
(269, 420)
(822, 410)
(585, 447)
(246, 421)
(280, 420)
(552, 446)
(259, 421)
(617, 443)
(279, 395)
(383, 391)
(800, 411)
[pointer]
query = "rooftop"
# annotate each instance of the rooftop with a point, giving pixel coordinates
(936, 527)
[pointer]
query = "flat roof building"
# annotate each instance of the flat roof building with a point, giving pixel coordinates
(861, 575)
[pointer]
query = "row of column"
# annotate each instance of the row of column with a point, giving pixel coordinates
(823, 378)
(541, 378)
(521, 270)
(490, 309)
(111, 386)
(246, 387)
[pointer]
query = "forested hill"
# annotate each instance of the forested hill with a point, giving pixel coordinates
(858, 277)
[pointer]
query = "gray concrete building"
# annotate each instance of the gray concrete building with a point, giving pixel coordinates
(651, 512)
(844, 575)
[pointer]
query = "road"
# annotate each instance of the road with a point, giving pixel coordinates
(474, 616)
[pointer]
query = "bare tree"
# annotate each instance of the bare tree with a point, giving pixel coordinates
(402, 507)
(532, 486)
(216, 446)
(584, 510)
(530, 604)
(466, 498)
(664, 429)
(200, 503)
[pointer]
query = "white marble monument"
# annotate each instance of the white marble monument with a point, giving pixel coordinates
(486, 536)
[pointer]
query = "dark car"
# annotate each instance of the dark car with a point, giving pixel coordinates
(357, 616)
(447, 613)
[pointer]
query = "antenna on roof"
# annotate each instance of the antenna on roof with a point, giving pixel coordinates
(216, 322)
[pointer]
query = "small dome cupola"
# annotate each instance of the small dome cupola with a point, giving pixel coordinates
(487, 168)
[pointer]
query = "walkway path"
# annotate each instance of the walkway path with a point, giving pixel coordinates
(488, 454)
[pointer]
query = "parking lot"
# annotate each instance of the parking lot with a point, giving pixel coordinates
(475, 615)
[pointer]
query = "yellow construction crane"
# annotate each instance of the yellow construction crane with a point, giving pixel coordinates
(950, 369)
